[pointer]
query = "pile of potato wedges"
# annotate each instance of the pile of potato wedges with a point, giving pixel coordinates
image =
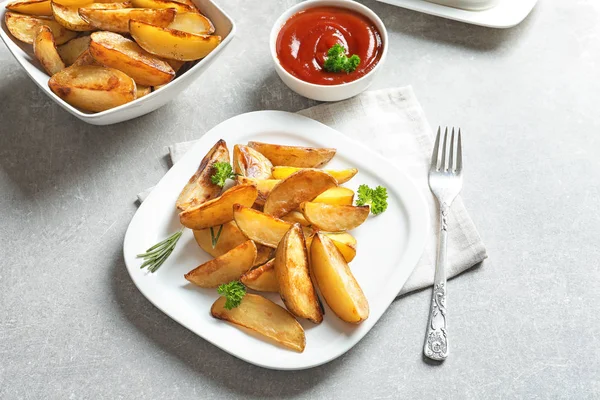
(283, 226)
(101, 54)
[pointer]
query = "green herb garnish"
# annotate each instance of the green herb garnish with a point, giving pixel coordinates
(338, 61)
(215, 238)
(234, 292)
(156, 255)
(376, 198)
(222, 172)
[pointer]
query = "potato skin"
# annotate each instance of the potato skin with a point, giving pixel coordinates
(118, 20)
(31, 7)
(93, 88)
(45, 51)
(200, 188)
(295, 285)
(265, 317)
(70, 51)
(334, 218)
(262, 278)
(294, 156)
(297, 188)
(115, 51)
(250, 163)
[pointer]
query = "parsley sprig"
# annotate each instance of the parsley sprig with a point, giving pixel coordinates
(222, 172)
(338, 61)
(234, 292)
(376, 198)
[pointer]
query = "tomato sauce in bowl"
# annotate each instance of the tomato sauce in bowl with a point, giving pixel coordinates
(306, 37)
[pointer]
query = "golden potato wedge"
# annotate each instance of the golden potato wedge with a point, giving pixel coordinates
(200, 187)
(260, 227)
(230, 237)
(262, 278)
(86, 59)
(297, 188)
(141, 91)
(175, 64)
(225, 268)
(334, 218)
(45, 51)
(336, 282)
(75, 3)
(164, 4)
(265, 317)
(189, 3)
(295, 285)
(337, 195)
(220, 210)
(250, 163)
(294, 156)
(192, 22)
(340, 175)
(264, 187)
(24, 27)
(116, 51)
(118, 20)
(31, 7)
(345, 243)
(93, 88)
(171, 43)
(70, 51)
(68, 16)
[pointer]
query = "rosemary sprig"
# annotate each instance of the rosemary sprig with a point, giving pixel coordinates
(156, 255)
(214, 239)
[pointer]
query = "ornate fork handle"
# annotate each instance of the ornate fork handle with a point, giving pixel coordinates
(436, 339)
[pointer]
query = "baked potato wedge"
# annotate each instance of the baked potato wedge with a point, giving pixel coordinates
(24, 27)
(260, 227)
(264, 187)
(225, 268)
(116, 51)
(31, 7)
(70, 51)
(118, 20)
(337, 195)
(295, 285)
(345, 243)
(220, 210)
(200, 187)
(296, 217)
(250, 163)
(265, 317)
(334, 218)
(294, 156)
(93, 88)
(79, 3)
(45, 51)
(141, 91)
(178, 6)
(86, 59)
(340, 175)
(68, 16)
(192, 22)
(262, 278)
(297, 188)
(336, 282)
(171, 43)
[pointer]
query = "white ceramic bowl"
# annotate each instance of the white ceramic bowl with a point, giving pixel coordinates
(23, 53)
(328, 92)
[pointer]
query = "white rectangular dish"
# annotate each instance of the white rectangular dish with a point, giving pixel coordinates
(23, 53)
(505, 14)
(389, 245)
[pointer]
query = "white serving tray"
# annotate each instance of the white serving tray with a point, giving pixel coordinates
(506, 14)
(389, 245)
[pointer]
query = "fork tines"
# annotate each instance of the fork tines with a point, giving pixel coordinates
(448, 162)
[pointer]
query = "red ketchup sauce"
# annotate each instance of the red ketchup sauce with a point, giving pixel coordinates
(305, 38)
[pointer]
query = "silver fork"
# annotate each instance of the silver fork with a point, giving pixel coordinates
(445, 181)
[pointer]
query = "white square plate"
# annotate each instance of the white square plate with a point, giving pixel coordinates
(506, 14)
(389, 245)
(23, 53)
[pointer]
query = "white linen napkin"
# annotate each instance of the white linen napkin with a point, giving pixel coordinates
(392, 122)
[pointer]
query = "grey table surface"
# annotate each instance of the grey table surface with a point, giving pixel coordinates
(524, 324)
